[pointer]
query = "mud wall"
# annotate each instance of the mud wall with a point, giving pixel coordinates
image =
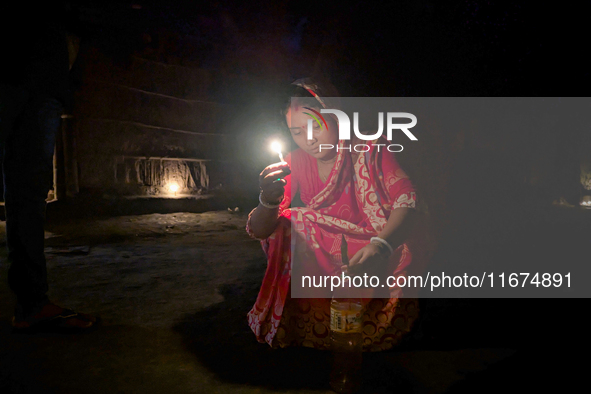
(128, 113)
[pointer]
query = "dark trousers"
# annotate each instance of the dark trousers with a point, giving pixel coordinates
(28, 126)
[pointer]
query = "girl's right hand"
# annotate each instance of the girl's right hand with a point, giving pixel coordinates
(272, 183)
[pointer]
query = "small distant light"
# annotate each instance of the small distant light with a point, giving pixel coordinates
(136, 6)
(173, 188)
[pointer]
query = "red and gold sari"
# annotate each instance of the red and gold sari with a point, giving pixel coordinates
(356, 200)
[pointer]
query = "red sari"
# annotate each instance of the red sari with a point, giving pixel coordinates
(356, 201)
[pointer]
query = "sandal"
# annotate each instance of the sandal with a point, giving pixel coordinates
(65, 321)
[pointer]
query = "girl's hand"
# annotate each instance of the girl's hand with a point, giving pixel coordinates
(272, 183)
(367, 258)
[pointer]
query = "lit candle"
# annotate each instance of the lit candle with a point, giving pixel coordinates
(174, 188)
(276, 146)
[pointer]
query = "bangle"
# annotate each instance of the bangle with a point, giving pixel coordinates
(383, 242)
(268, 205)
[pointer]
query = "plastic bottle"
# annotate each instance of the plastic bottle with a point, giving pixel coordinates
(346, 344)
(346, 338)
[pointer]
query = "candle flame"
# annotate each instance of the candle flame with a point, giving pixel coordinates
(276, 146)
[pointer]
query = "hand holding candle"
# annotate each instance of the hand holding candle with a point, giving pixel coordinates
(271, 180)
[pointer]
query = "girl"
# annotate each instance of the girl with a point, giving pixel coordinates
(365, 197)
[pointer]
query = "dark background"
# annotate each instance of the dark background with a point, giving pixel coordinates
(414, 49)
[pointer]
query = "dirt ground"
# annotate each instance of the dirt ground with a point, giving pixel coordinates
(173, 291)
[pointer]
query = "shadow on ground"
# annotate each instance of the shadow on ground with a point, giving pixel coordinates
(436, 356)
(220, 337)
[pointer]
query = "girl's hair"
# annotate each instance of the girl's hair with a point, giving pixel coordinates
(294, 91)
(321, 88)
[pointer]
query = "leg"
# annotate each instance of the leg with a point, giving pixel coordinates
(28, 137)
(28, 158)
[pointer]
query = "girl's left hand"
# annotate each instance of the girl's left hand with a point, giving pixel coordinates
(365, 259)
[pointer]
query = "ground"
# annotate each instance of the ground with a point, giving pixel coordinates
(173, 291)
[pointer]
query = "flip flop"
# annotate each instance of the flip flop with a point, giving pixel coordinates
(57, 323)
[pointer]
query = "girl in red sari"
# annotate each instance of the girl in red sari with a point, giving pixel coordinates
(365, 197)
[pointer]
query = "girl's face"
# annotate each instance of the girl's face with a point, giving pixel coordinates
(297, 121)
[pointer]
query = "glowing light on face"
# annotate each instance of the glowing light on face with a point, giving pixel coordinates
(276, 147)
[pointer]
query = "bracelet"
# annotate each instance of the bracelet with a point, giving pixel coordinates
(268, 205)
(383, 242)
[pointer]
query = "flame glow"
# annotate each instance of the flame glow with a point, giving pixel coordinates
(276, 146)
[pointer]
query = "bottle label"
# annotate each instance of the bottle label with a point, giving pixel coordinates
(347, 321)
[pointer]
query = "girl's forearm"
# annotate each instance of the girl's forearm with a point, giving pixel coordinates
(263, 221)
(397, 228)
